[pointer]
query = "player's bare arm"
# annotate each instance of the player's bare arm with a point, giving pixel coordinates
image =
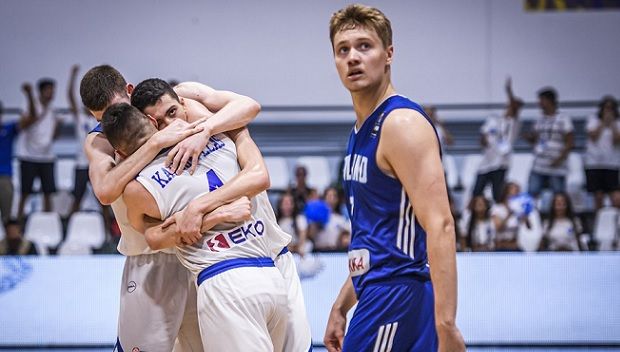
(232, 111)
(109, 179)
(407, 139)
(334, 331)
(251, 180)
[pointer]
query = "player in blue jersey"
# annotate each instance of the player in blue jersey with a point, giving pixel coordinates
(394, 182)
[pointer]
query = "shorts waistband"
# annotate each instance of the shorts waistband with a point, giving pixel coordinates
(226, 265)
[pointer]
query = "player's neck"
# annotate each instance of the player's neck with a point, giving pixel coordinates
(365, 102)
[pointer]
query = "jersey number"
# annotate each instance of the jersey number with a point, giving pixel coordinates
(214, 181)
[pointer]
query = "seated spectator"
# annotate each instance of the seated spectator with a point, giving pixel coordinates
(328, 228)
(14, 243)
(293, 222)
(479, 234)
(562, 229)
(301, 191)
(497, 136)
(552, 138)
(602, 156)
(507, 220)
(445, 137)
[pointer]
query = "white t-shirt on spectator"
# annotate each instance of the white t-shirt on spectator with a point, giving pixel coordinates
(602, 153)
(84, 124)
(511, 230)
(286, 224)
(35, 142)
(562, 234)
(551, 133)
(328, 237)
(500, 132)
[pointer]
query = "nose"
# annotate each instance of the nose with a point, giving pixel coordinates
(353, 57)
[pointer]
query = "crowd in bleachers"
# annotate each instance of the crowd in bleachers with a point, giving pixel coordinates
(550, 199)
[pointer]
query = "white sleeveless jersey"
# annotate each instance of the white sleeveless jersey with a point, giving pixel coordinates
(258, 237)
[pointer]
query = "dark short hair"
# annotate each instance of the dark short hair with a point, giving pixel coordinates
(44, 83)
(123, 126)
(148, 92)
(601, 105)
(100, 85)
(549, 93)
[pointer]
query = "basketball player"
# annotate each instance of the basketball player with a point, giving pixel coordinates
(159, 100)
(239, 289)
(158, 302)
(395, 185)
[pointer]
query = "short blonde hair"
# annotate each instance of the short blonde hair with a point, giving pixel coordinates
(357, 15)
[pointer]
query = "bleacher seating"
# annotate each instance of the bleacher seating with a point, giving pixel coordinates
(44, 229)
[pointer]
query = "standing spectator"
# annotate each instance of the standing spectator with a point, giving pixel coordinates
(8, 132)
(479, 234)
(84, 123)
(562, 230)
(292, 222)
(553, 140)
(14, 243)
(506, 220)
(34, 144)
(445, 137)
(602, 157)
(301, 191)
(335, 232)
(497, 136)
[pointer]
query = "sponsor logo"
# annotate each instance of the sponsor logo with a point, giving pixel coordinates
(13, 271)
(131, 286)
(359, 261)
(238, 236)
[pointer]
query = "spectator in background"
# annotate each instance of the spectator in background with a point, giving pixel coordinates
(84, 123)
(294, 223)
(8, 132)
(332, 233)
(445, 137)
(507, 220)
(14, 243)
(34, 144)
(562, 229)
(602, 156)
(497, 136)
(552, 137)
(301, 191)
(479, 233)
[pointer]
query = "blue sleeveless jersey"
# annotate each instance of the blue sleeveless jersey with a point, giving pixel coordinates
(97, 129)
(387, 242)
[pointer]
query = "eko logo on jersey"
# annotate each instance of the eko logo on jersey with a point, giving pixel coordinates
(236, 237)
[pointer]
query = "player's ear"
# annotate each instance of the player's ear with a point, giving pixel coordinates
(390, 54)
(120, 153)
(182, 101)
(153, 120)
(129, 88)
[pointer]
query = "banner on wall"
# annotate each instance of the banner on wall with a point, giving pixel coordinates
(563, 5)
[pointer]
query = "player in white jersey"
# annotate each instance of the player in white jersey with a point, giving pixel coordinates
(153, 313)
(156, 98)
(239, 289)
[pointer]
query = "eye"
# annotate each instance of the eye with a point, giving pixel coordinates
(343, 50)
(172, 112)
(365, 46)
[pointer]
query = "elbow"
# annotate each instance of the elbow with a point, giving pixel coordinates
(104, 195)
(153, 242)
(261, 179)
(253, 107)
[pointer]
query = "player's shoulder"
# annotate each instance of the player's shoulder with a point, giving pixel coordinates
(406, 121)
(133, 192)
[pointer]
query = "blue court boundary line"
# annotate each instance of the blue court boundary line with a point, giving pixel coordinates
(475, 345)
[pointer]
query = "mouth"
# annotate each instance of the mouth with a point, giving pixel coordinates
(355, 74)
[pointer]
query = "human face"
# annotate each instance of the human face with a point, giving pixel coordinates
(331, 197)
(166, 109)
(560, 205)
(47, 94)
(361, 60)
(286, 205)
(546, 105)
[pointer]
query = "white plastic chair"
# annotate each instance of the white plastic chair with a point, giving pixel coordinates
(278, 172)
(64, 174)
(73, 248)
(605, 227)
(576, 174)
(519, 170)
(44, 228)
(319, 174)
(86, 229)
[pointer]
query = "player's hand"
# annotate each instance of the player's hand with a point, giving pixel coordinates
(74, 70)
(237, 211)
(334, 332)
(186, 239)
(175, 132)
(189, 223)
(450, 339)
(191, 147)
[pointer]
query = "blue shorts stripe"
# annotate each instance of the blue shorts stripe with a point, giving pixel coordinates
(226, 265)
(118, 347)
(283, 251)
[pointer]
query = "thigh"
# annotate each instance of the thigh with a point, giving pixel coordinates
(243, 309)
(6, 197)
(46, 174)
(593, 180)
(396, 317)
(298, 335)
(27, 173)
(153, 293)
(188, 339)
